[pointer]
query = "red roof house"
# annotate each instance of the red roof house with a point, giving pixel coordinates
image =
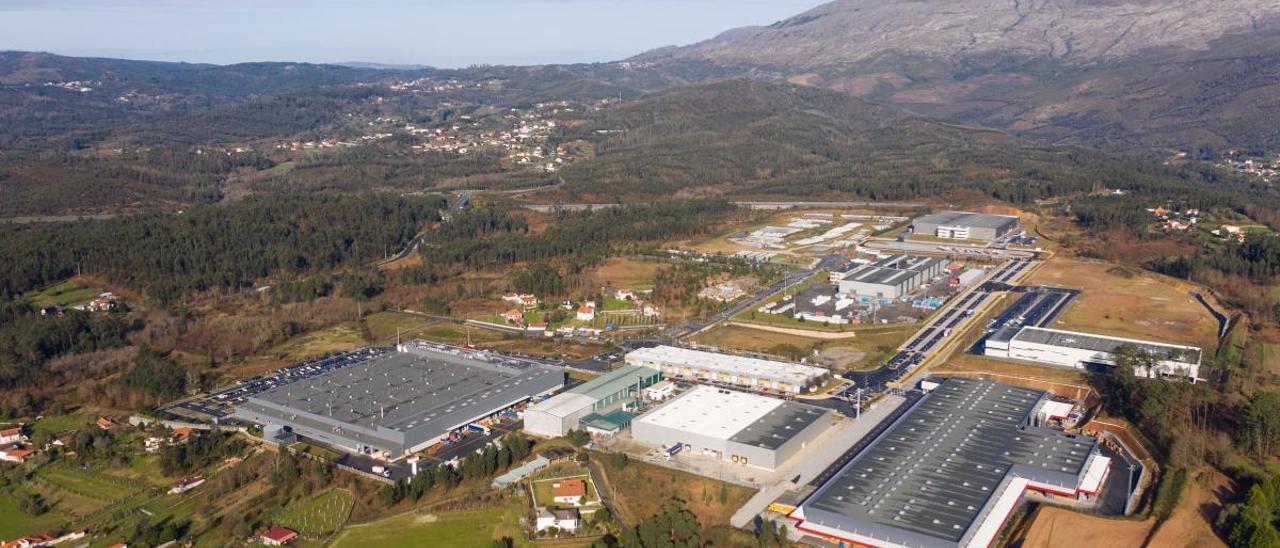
(278, 536)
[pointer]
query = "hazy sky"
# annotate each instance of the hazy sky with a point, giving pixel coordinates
(442, 33)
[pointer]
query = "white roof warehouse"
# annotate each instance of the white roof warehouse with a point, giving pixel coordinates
(739, 370)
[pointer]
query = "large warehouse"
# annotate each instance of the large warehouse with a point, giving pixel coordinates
(750, 372)
(1072, 349)
(963, 225)
(559, 414)
(892, 276)
(744, 428)
(951, 470)
(399, 403)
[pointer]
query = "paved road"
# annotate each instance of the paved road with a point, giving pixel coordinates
(949, 249)
(694, 327)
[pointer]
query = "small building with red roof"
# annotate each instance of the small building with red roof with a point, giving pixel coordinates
(278, 536)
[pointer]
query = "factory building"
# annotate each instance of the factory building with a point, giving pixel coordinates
(557, 415)
(738, 427)
(401, 402)
(964, 225)
(753, 373)
(891, 277)
(952, 469)
(1072, 349)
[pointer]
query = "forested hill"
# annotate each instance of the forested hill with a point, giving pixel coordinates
(746, 138)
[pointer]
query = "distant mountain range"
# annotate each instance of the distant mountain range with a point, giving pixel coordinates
(1121, 74)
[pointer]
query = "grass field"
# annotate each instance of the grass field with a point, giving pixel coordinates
(874, 344)
(450, 333)
(339, 338)
(627, 273)
(65, 295)
(15, 523)
(1129, 304)
(542, 490)
(320, 515)
(477, 529)
(56, 424)
(384, 326)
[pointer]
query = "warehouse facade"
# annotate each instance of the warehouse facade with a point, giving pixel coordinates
(951, 470)
(963, 225)
(891, 277)
(743, 428)
(724, 368)
(1077, 350)
(561, 413)
(400, 403)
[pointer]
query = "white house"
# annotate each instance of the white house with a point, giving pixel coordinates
(564, 520)
(586, 313)
(11, 435)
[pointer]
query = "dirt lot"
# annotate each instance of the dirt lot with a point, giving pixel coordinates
(1129, 303)
(1189, 526)
(1061, 528)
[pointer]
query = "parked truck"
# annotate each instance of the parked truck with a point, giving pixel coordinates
(671, 451)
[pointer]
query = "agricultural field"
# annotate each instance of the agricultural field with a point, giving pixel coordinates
(473, 529)
(89, 483)
(320, 515)
(1129, 303)
(64, 295)
(15, 522)
(383, 326)
(458, 335)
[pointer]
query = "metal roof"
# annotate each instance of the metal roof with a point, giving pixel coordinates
(927, 479)
(1101, 343)
(785, 372)
(713, 412)
(615, 381)
(778, 426)
(968, 219)
(412, 396)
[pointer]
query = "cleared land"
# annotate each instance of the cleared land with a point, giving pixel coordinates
(64, 295)
(476, 529)
(1202, 499)
(1061, 528)
(640, 489)
(338, 338)
(1129, 303)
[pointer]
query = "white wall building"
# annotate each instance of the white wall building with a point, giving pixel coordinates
(710, 366)
(1073, 349)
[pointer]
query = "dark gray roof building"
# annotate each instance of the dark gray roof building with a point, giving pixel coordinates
(399, 403)
(948, 472)
(964, 224)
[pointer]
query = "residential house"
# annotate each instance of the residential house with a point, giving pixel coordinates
(17, 453)
(278, 536)
(569, 491)
(11, 435)
(513, 316)
(624, 294)
(651, 310)
(182, 433)
(105, 423)
(586, 313)
(562, 519)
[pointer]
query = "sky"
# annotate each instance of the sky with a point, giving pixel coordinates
(441, 33)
